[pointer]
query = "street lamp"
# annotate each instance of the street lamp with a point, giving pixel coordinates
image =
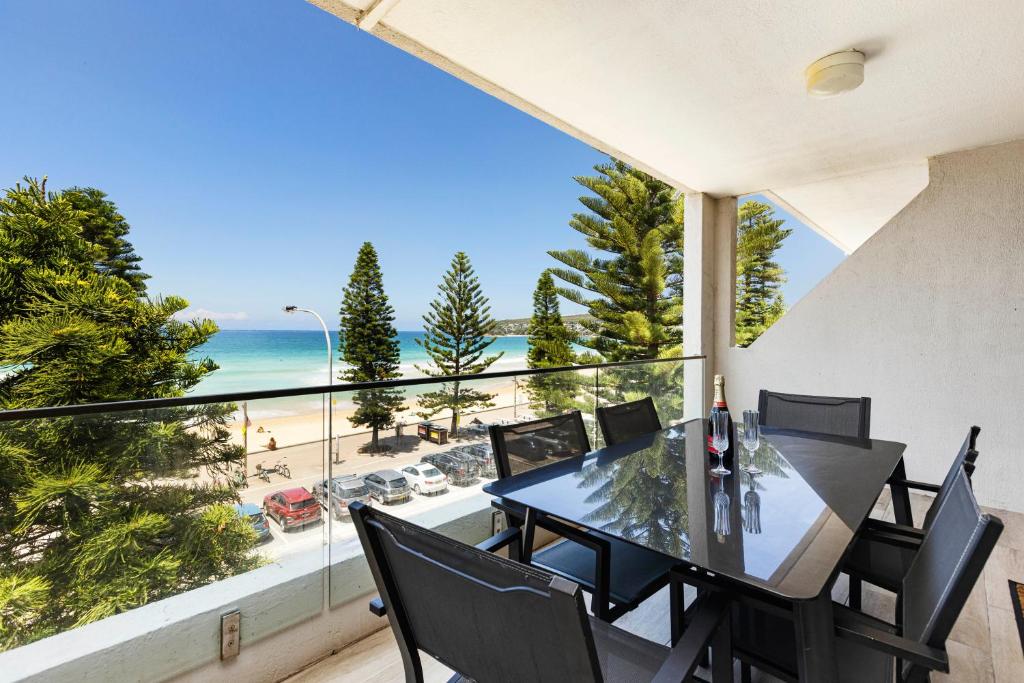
(330, 369)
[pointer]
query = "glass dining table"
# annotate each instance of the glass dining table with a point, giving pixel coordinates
(779, 535)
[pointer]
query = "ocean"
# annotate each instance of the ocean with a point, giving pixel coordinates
(252, 360)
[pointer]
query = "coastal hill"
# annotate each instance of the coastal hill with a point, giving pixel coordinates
(518, 326)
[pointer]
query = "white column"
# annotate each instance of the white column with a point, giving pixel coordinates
(698, 297)
(709, 285)
(725, 280)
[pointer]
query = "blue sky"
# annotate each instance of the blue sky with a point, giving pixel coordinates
(254, 150)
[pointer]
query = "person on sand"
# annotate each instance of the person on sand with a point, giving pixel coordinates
(272, 444)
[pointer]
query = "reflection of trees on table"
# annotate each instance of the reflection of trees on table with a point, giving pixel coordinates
(768, 460)
(646, 501)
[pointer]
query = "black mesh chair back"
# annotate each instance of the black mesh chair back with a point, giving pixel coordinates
(628, 420)
(528, 445)
(964, 460)
(822, 414)
(946, 567)
(470, 609)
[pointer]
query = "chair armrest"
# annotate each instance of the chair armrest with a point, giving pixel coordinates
(911, 484)
(581, 536)
(377, 607)
(893, 527)
(853, 629)
(500, 540)
(707, 622)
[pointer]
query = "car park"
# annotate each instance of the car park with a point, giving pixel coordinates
(460, 470)
(292, 508)
(252, 513)
(388, 486)
(345, 490)
(425, 479)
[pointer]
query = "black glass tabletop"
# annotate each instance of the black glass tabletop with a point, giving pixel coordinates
(784, 530)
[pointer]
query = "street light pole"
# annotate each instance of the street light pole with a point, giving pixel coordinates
(330, 374)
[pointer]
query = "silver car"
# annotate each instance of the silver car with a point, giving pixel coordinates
(388, 486)
(345, 489)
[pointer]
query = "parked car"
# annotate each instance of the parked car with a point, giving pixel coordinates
(388, 486)
(292, 508)
(252, 512)
(346, 489)
(483, 456)
(475, 428)
(470, 460)
(425, 479)
(461, 471)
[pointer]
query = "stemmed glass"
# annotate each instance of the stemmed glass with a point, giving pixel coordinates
(751, 439)
(720, 440)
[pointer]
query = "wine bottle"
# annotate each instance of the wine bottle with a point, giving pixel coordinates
(719, 406)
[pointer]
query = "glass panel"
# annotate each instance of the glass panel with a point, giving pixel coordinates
(663, 381)
(114, 510)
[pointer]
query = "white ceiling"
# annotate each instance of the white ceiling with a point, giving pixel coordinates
(709, 95)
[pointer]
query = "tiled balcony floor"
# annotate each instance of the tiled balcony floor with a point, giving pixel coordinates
(984, 645)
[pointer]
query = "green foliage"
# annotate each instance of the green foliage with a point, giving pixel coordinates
(368, 343)
(759, 279)
(456, 338)
(550, 346)
(104, 227)
(96, 516)
(634, 289)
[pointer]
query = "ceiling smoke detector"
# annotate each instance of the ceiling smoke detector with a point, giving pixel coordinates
(835, 74)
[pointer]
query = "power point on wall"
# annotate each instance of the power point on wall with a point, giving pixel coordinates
(230, 630)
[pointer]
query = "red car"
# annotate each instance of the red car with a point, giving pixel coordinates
(292, 508)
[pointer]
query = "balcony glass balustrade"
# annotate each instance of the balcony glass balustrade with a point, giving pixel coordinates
(126, 504)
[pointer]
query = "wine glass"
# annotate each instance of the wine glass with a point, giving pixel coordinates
(720, 440)
(751, 439)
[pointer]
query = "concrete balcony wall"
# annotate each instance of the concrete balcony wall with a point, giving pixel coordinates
(292, 615)
(926, 318)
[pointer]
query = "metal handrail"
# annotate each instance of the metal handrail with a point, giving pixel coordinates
(178, 401)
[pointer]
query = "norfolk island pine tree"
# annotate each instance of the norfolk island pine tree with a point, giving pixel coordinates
(368, 344)
(759, 279)
(456, 335)
(550, 346)
(633, 286)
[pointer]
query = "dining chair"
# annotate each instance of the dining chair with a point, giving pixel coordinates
(491, 619)
(883, 551)
(619, 575)
(835, 415)
(627, 421)
(822, 414)
(945, 568)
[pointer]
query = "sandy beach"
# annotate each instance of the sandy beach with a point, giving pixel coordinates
(307, 427)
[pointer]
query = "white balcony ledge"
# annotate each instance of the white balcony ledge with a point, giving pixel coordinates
(288, 622)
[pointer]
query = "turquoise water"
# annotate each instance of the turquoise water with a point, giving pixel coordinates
(251, 360)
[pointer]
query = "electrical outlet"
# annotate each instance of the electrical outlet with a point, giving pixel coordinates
(230, 630)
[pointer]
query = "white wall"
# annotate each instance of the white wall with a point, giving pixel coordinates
(926, 318)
